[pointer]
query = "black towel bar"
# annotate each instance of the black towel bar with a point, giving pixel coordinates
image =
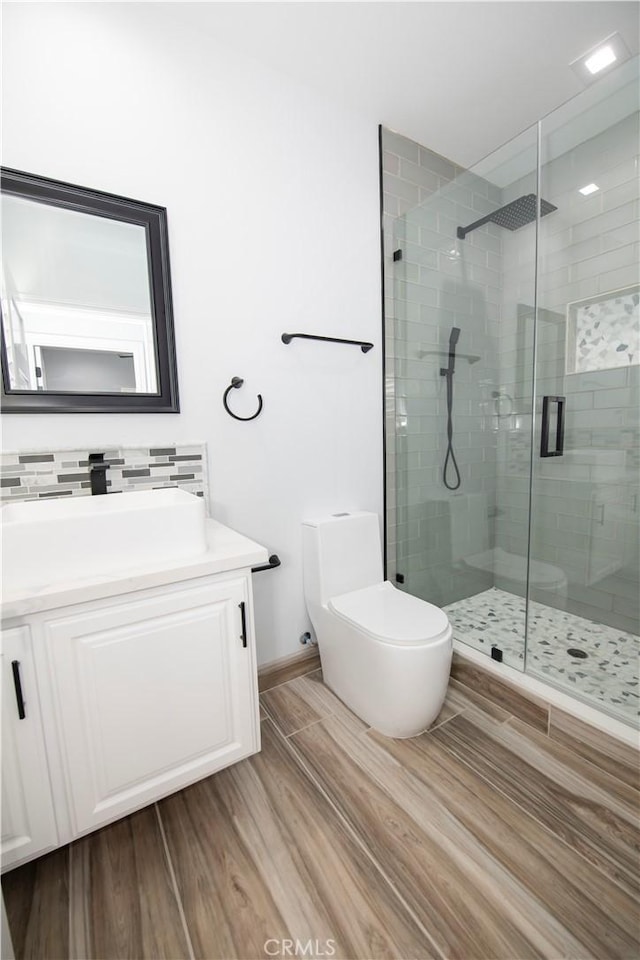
(363, 344)
(274, 561)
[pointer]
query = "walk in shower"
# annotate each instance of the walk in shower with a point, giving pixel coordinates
(512, 392)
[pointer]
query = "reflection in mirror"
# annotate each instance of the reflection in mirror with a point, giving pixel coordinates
(75, 298)
(86, 370)
(86, 301)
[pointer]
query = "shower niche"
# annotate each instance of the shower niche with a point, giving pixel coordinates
(515, 295)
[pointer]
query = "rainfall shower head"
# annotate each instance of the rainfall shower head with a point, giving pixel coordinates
(513, 215)
(521, 211)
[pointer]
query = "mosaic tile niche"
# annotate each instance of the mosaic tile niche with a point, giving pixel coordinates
(42, 474)
(604, 332)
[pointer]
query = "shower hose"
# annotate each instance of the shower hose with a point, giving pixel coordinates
(450, 457)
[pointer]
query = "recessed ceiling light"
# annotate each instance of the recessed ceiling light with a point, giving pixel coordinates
(590, 188)
(601, 58)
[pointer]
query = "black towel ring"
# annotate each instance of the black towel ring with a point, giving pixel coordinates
(236, 383)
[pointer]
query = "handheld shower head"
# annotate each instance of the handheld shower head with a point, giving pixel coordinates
(454, 336)
(448, 372)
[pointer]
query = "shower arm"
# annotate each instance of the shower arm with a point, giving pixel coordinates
(461, 232)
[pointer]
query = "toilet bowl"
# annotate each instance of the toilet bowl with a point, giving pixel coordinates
(384, 653)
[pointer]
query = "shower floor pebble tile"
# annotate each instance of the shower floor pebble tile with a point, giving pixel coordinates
(608, 674)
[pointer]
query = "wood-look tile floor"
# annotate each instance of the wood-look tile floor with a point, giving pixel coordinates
(483, 838)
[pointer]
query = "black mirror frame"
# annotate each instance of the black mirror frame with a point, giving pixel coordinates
(154, 220)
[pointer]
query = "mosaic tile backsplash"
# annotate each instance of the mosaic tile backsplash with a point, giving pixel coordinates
(38, 475)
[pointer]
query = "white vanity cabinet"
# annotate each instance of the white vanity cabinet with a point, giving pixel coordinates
(134, 688)
(28, 821)
(150, 693)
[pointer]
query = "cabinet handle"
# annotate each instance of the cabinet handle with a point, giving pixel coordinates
(243, 617)
(17, 683)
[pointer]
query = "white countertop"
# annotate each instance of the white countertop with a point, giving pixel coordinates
(227, 550)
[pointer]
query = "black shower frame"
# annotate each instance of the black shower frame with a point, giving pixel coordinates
(384, 355)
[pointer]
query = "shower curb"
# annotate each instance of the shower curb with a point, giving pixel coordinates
(497, 681)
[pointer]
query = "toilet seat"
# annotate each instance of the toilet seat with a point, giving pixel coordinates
(391, 616)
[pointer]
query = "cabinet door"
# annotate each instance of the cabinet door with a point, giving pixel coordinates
(28, 823)
(152, 693)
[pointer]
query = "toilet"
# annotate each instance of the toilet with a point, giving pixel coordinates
(384, 653)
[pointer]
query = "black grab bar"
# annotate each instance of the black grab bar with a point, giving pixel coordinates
(274, 561)
(364, 345)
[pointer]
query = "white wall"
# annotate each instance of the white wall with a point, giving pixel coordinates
(272, 198)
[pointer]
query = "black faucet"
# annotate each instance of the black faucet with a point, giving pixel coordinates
(98, 473)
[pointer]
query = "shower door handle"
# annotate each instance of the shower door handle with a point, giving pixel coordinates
(557, 448)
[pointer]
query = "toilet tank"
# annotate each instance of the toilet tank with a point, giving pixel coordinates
(340, 553)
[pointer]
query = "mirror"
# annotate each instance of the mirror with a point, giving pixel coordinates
(85, 301)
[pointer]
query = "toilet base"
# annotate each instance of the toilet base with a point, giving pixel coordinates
(397, 690)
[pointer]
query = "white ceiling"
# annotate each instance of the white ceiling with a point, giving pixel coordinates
(459, 77)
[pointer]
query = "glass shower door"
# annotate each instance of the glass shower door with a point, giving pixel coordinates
(584, 563)
(459, 399)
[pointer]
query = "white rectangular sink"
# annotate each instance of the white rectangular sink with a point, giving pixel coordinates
(51, 541)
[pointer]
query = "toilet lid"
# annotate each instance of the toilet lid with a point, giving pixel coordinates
(390, 615)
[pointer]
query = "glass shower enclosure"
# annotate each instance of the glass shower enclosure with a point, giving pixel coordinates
(512, 399)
